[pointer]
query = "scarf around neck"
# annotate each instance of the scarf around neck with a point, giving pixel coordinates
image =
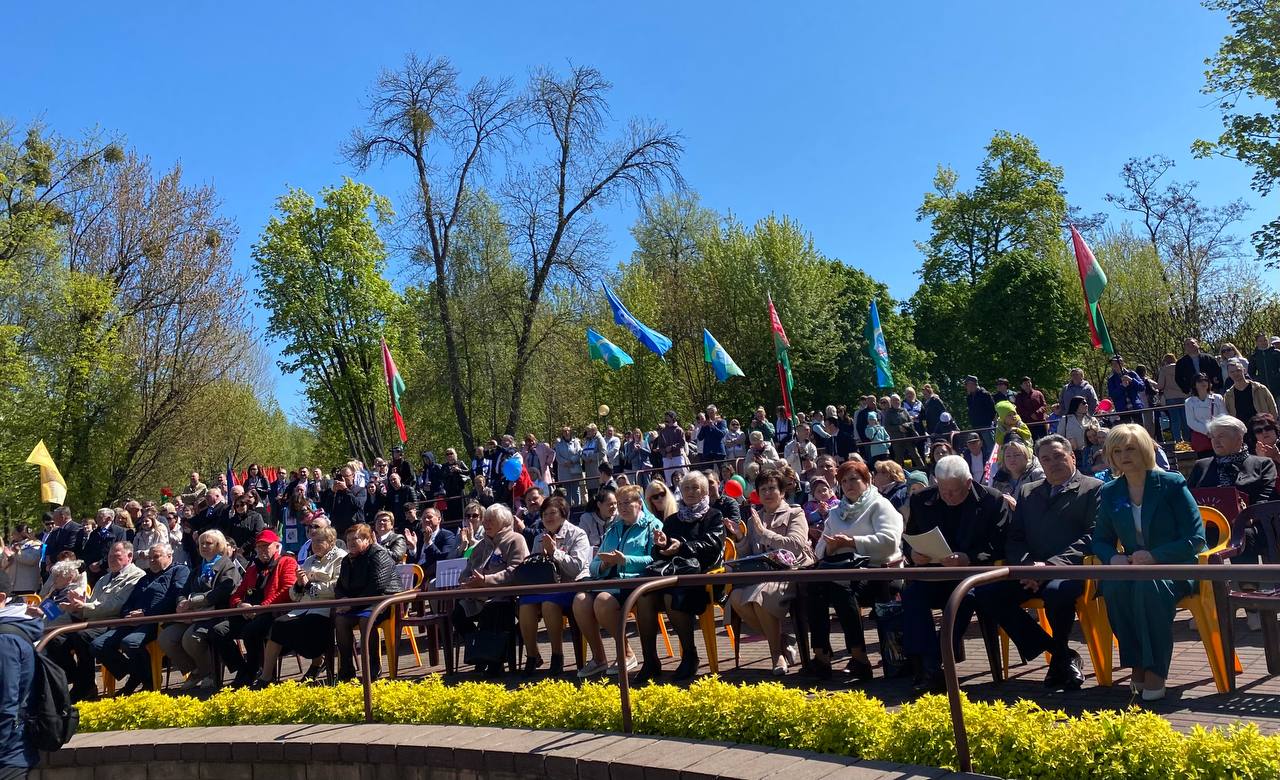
(696, 512)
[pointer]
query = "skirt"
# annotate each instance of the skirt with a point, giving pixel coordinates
(309, 635)
(774, 597)
(562, 600)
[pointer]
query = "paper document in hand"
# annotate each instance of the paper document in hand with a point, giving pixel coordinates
(931, 543)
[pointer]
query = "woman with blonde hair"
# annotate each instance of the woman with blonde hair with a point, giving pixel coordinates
(659, 500)
(1145, 516)
(210, 586)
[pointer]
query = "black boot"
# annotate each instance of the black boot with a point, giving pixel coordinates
(688, 668)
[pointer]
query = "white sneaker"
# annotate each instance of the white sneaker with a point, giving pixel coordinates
(1254, 620)
(1153, 694)
(632, 664)
(780, 668)
(592, 669)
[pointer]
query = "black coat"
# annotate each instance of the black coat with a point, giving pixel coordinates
(1185, 370)
(242, 531)
(982, 408)
(370, 574)
(59, 540)
(212, 518)
(702, 539)
(396, 502)
(977, 527)
(1056, 530)
(97, 543)
(1256, 477)
(442, 547)
(216, 589)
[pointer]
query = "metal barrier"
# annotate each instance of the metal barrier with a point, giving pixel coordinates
(966, 577)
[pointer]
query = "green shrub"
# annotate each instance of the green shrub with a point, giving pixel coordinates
(1019, 740)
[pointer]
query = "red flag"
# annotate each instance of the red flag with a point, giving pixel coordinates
(395, 387)
(780, 345)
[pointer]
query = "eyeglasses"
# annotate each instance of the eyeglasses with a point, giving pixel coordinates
(473, 517)
(1260, 431)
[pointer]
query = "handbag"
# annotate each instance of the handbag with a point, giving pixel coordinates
(486, 646)
(671, 567)
(536, 570)
(848, 560)
(754, 563)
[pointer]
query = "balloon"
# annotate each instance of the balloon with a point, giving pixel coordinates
(512, 467)
(603, 410)
(1105, 405)
(754, 497)
(732, 489)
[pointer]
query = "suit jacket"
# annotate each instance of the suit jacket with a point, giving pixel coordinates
(214, 517)
(157, 594)
(1256, 477)
(67, 537)
(441, 548)
(1057, 530)
(97, 543)
(1172, 529)
(977, 527)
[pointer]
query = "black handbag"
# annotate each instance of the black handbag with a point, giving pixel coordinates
(487, 646)
(753, 563)
(672, 567)
(536, 570)
(849, 560)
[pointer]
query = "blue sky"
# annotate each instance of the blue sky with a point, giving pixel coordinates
(836, 114)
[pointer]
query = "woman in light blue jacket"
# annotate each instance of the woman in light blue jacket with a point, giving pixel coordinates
(625, 550)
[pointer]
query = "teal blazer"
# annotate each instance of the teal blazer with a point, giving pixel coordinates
(1171, 525)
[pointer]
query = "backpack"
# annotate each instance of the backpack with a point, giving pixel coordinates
(51, 718)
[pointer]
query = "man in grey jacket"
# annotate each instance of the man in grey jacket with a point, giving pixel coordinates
(1052, 526)
(71, 651)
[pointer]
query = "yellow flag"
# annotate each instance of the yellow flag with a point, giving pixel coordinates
(53, 488)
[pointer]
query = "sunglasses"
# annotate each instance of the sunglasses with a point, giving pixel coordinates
(473, 517)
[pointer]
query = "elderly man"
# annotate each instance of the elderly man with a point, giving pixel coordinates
(97, 543)
(1078, 387)
(123, 650)
(266, 581)
(214, 515)
(569, 466)
(973, 519)
(1051, 526)
(394, 497)
(72, 651)
(1232, 465)
(65, 535)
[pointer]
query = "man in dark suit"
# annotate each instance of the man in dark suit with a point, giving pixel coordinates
(1193, 362)
(214, 515)
(435, 544)
(1052, 526)
(384, 533)
(973, 518)
(64, 536)
(1232, 465)
(97, 541)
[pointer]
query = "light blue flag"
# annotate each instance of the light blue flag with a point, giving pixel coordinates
(714, 354)
(647, 336)
(878, 349)
(601, 348)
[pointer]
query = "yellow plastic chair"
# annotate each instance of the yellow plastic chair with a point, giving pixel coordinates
(411, 577)
(1086, 613)
(1201, 605)
(157, 670)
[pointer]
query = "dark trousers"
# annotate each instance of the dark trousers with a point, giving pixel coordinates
(820, 598)
(919, 635)
(1000, 602)
(74, 654)
(253, 631)
(123, 651)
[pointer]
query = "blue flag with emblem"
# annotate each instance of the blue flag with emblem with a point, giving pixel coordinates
(879, 350)
(646, 335)
(714, 354)
(601, 348)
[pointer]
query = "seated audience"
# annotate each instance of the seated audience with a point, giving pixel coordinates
(1145, 516)
(307, 632)
(491, 563)
(569, 549)
(122, 651)
(368, 569)
(435, 543)
(1052, 525)
(267, 580)
(1232, 465)
(1265, 432)
(209, 586)
(1019, 468)
(385, 536)
(604, 510)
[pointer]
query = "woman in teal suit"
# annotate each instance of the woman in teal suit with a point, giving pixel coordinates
(1145, 516)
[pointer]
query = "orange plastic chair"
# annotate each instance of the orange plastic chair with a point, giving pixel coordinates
(157, 670)
(1086, 613)
(411, 577)
(707, 620)
(1202, 607)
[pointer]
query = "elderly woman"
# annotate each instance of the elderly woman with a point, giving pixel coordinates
(691, 541)
(865, 523)
(1019, 468)
(1265, 433)
(625, 551)
(492, 563)
(367, 570)
(761, 453)
(65, 578)
(307, 632)
(1145, 516)
(1232, 465)
(209, 587)
(21, 558)
(472, 529)
(568, 547)
(782, 527)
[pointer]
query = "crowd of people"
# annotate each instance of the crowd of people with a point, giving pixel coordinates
(1038, 480)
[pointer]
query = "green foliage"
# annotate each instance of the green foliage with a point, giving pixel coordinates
(1244, 75)
(1019, 740)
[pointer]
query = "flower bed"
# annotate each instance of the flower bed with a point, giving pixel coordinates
(1015, 741)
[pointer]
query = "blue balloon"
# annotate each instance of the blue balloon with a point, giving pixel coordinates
(511, 468)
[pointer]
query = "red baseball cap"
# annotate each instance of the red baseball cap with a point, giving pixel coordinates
(268, 536)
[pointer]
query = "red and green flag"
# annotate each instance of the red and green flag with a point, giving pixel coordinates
(395, 387)
(780, 346)
(1093, 281)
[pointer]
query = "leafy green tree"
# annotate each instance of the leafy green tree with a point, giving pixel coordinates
(321, 268)
(1244, 76)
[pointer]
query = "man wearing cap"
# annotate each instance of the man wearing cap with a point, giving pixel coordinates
(267, 580)
(1002, 393)
(401, 466)
(18, 634)
(982, 412)
(1052, 525)
(1032, 408)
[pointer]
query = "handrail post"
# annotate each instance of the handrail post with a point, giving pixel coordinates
(393, 646)
(963, 762)
(624, 684)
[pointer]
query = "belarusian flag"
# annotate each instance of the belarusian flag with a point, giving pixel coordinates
(780, 345)
(1093, 281)
(395, 386)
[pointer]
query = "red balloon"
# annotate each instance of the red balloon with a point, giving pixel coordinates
(754, 497)
(732, 489)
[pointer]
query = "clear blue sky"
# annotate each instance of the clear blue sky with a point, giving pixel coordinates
(836, 114)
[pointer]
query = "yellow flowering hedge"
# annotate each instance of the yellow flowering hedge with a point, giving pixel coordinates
(1007, 740)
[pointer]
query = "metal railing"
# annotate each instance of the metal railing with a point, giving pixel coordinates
(966, 578)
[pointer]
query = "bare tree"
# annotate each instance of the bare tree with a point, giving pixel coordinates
(568, 165)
